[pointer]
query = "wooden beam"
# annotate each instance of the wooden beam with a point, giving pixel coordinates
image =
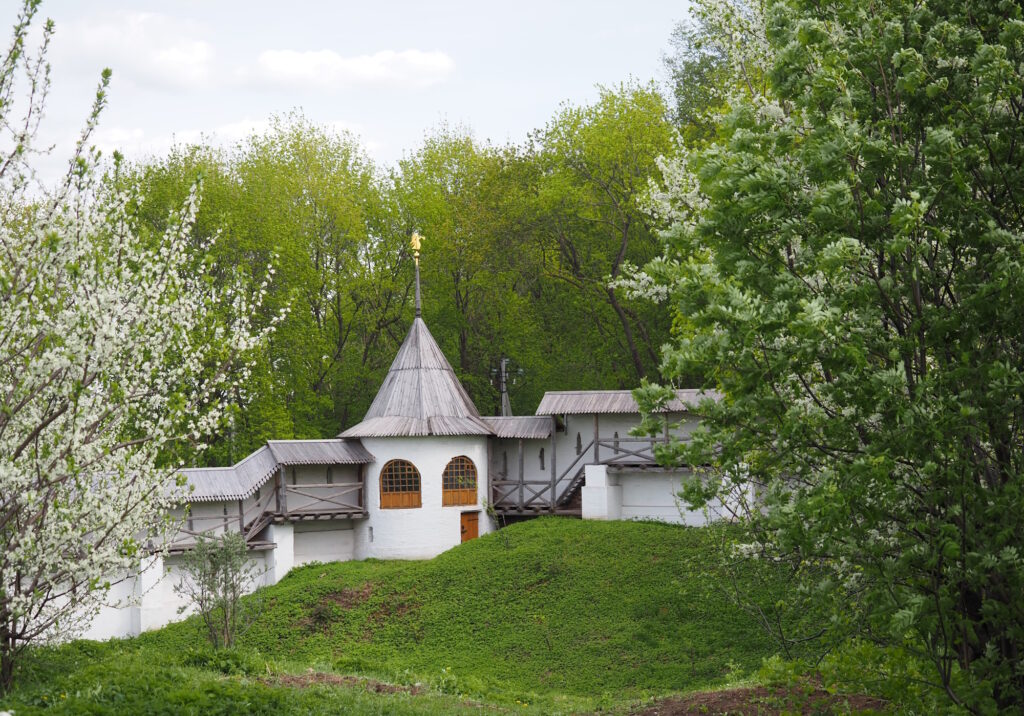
(597, 442)
(520, 473)
(241, 516)
(282, 498)
(490, 464)
(554, 426)
(362, 486)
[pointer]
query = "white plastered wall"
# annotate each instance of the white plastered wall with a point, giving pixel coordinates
(146, 599)
(426, 531)
(614, 493)
(324, 541)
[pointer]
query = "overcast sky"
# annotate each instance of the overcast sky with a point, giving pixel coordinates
(389, 71)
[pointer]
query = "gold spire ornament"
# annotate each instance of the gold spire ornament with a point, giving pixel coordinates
(414, 241)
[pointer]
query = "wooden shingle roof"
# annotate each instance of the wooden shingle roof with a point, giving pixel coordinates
(586, 402)
(420, 395)
(240, 481)
(528, 427)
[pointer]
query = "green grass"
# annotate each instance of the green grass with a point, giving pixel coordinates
(562, 614)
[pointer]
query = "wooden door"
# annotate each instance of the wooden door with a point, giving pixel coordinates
(470, 525)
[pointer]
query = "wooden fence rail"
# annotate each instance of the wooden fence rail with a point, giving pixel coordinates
(327, 497)
(534, 494)
(322, 499)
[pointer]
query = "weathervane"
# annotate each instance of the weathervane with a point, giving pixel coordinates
(414, 241)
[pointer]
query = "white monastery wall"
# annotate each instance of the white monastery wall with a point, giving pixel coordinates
(147, 599)
(624, 494)
(324, 541)
(114, 620)
(426, 531)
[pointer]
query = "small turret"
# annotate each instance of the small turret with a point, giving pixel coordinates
(421, 394)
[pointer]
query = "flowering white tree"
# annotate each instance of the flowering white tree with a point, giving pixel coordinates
(846, 265)
(110, 350)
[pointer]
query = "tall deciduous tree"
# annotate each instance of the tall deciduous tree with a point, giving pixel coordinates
(110, 349)
(596, 162)
(478, 263)
(309, 200)
(848, 259)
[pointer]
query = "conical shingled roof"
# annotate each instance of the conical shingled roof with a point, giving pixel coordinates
(420, 395)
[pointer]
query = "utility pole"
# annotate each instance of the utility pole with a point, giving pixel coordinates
(506, 404)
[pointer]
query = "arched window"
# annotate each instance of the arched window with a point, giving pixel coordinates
(458, 482)
(542, 458)
(399, 485)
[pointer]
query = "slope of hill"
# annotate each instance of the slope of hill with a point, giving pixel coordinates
(552, 611)
(553, 604)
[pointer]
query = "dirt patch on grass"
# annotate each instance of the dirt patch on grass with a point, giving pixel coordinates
(311, 678)
(348, 598)
(325, 611)
(761, 701)
(390, 609)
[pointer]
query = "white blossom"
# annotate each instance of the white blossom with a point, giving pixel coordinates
(110, 350)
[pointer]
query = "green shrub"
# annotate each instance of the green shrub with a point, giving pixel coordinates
(232, 662)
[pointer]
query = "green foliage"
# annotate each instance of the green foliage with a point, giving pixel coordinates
(890, 672)
(520, 245)
(122, 678)
(698, 78)
(232, 662)
(596, 163)
(849, 273)
(467, 200)
(308, 202)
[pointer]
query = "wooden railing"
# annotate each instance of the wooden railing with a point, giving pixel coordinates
(536, 494)
(521, 493)
(277, 501)
(326, 498)
(263, 516)
(209, 526)
(628, 451)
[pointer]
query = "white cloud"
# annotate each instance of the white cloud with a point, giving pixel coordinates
(136, 144)
(148, 48)
(328, 70)
(158, 51)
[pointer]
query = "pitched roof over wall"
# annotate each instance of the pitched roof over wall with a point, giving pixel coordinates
(528, 427)
(420, 395)
(319, 452)
(212, 484)
(585, 402)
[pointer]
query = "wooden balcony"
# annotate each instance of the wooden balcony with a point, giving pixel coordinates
(282, 503)
(520, 496)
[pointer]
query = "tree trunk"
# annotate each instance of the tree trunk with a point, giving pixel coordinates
(6, 659)
(637, 363)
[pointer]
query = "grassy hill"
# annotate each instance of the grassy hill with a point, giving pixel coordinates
(558, 613)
